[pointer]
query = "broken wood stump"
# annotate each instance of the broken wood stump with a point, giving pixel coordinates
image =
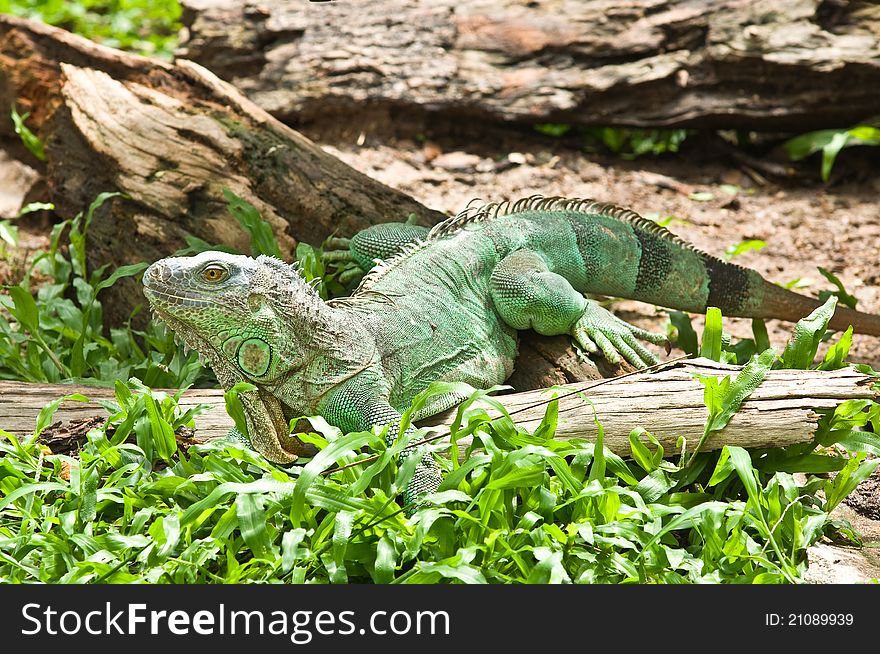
(782, 411)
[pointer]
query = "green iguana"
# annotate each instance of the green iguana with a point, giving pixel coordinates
(444, 305)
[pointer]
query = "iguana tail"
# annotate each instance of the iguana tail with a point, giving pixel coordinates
(674, 274)
(781, 303)
(744, 293)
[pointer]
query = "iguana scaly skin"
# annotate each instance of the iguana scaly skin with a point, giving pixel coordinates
(447, 306)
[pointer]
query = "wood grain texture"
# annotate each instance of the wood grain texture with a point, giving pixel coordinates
(751, 64)
(668, 403)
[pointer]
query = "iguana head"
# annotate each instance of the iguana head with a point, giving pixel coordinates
(254, 320)
(241, 313)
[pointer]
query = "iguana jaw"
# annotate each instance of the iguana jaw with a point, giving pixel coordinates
(192, 340)
(262, 408)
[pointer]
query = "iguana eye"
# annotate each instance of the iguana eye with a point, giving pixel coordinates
(214, 273)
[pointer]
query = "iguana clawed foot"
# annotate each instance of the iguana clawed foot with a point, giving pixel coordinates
(599, 329)
(337, 253)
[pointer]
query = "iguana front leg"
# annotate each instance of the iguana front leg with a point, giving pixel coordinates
(356, 407)
(364, 248)
(268, 430)
(527, 295)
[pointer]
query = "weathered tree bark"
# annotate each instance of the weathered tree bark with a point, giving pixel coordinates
(171, 137)
(668, 403)
(788, 65)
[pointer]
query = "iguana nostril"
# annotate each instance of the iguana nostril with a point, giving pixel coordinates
(157, 272)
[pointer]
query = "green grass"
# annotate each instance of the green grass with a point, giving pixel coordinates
(830, 142)
(630, 143)
(148, 27)
(626, 142)
(523, 508)
(53, 328)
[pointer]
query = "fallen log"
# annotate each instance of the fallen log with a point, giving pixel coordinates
(789, 65)
(782, 411)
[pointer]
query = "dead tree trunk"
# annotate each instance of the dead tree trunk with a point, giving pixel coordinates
(789, 65)
(668, 403)
(171, 137)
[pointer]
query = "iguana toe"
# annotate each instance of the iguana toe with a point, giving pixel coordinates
(617, 339)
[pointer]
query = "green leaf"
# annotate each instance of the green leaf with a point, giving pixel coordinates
(31, 207)
(323, 460)
(835, 357)
(712, 335)
(742, 464)
(25, 308)
(853, 473)
(30, 140)
(290, 548)
(252, 523)
(762, 339)
(163, 435)
(654, 485)
(686, 337)
(79, 227)
(742, 247)
(807, 463)
(8, 233)
(44, 419)
(556, 130)
(641, 454)
(262, 238)
(830, 142)
(519, 478)
(830, 152)
(724, 398)
(385, 562)
(842, 296)
(234, 406)
(341, 533)
(808, 332)
(29, 489)
(723, 468)
(804, 145)
(123, 271)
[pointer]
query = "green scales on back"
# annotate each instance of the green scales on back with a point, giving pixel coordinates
(444, 305)
(600, 248)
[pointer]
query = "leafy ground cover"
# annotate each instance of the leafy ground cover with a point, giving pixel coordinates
(148, 27)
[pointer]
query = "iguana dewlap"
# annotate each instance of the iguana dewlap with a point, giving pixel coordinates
(446, 307)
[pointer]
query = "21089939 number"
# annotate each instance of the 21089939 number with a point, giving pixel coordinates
(809, 619)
